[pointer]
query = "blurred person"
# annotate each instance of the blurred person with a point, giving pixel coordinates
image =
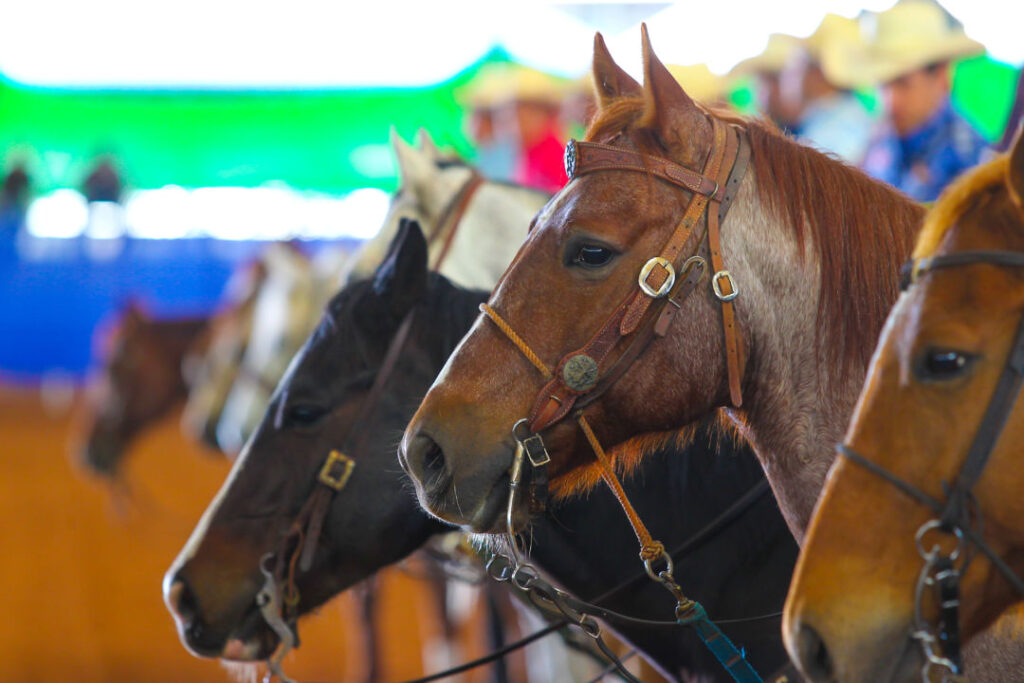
(15, 191)
(514, 106)
(103, 184)
(923, 142)
(815, 89)
(765, 70)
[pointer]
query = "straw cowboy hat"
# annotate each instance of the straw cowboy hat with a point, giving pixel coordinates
(699, 82)
(906, 37)
(502, 82)
(835, 45)
(771, 60)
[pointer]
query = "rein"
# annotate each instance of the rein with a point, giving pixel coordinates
(280, 596)
(958, 516)
(451, 217)
(580, 377)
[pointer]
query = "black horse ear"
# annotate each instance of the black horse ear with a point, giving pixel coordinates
(402, 277)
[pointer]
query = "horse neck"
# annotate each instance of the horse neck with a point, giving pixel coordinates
(797, 401)
(489, 234)
(176, 337)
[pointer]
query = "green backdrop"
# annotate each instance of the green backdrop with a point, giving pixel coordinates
(331, 141)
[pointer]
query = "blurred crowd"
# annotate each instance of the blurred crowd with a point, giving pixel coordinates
(874, 91)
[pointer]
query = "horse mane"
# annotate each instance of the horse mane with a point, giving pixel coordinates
(860, 229)
(961, 195)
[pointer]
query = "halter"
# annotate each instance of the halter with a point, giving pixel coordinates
(958, 515)
(280, 596)
(583, 375)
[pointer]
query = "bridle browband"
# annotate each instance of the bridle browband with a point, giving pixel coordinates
(646, 312)
(958, 514)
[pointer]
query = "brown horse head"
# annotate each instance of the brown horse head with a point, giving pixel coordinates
(582, 259)
(140, 382)
(320, 407)
(851, 610)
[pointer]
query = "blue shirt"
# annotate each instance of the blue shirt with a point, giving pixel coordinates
(922, 163)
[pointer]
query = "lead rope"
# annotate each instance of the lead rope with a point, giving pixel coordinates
(687, 611)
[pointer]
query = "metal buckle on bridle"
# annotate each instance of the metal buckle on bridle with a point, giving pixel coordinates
(327, 475)
(666, 286)
(733, 290)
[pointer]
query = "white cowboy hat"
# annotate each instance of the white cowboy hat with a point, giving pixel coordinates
(910, 35)
(771, 60)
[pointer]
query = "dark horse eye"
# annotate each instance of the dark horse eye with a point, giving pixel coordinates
(592, 256)
(304, 415)
(943, 364)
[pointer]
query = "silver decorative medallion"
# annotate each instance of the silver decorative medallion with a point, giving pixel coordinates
(570, 159)
(580, 373)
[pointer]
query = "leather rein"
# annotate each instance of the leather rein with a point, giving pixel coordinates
(957, 516)
(582, 375)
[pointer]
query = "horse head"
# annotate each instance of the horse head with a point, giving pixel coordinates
(355, 373)
(852, 614)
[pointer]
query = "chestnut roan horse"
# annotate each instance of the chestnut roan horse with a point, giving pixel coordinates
(921, 520)
(804, 275)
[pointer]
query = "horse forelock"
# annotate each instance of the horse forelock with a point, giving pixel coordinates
(860, 229)
(960, 196)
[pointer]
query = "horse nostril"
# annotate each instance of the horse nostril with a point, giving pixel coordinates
(424, 457)
(180, 600)
(815, 661)
(433, 459)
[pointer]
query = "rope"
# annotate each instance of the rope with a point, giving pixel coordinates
(517, 340)
(650, 549)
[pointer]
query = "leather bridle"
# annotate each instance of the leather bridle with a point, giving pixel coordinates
(957, 516)
(646, 312)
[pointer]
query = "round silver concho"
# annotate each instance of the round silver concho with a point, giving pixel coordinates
(570, 159)
(580, 373)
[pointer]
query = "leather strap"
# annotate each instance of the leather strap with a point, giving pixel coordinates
(726, 294)
(586, 157)
(451, 217)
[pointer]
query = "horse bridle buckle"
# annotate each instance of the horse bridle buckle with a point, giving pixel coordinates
(666, 286)
(733, 290)
(327, 475)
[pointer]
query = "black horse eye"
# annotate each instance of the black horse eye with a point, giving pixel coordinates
(304, 415)
(943, 364)
(592, 256)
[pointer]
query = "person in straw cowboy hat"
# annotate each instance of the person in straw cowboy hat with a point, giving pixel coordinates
(512, 102)
(816, 90)
(924, 143)
(765, 69)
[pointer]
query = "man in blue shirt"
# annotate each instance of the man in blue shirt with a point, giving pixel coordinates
(923, 143)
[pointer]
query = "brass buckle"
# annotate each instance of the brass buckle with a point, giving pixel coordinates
(336, 482)
(733, 290)
(665, 286)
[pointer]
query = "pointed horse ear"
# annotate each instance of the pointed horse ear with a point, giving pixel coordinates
(402, 277)
(1015, 172)
(667, 108)
(610, 81)
(427, 145)
(414, 166)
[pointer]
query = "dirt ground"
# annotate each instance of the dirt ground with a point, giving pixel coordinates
(81, 573)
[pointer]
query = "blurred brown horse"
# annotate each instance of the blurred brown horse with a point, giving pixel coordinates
(141, 381)
(935, 371)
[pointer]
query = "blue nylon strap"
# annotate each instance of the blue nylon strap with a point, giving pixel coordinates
(732, 658)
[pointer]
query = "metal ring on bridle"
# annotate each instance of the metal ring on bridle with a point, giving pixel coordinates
(733, 290)
(669, 567)
(936, 524)
(666, 286)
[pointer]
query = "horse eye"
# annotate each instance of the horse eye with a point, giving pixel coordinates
(592, 256)
(304, 415)
(943, 364)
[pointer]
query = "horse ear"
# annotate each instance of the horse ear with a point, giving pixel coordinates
(610, 81)
(402, 277)
(414, 167)
(664, 99)
(427, 145)
(1015, 174)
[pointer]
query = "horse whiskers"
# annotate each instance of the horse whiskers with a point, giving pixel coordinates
(243, 672)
